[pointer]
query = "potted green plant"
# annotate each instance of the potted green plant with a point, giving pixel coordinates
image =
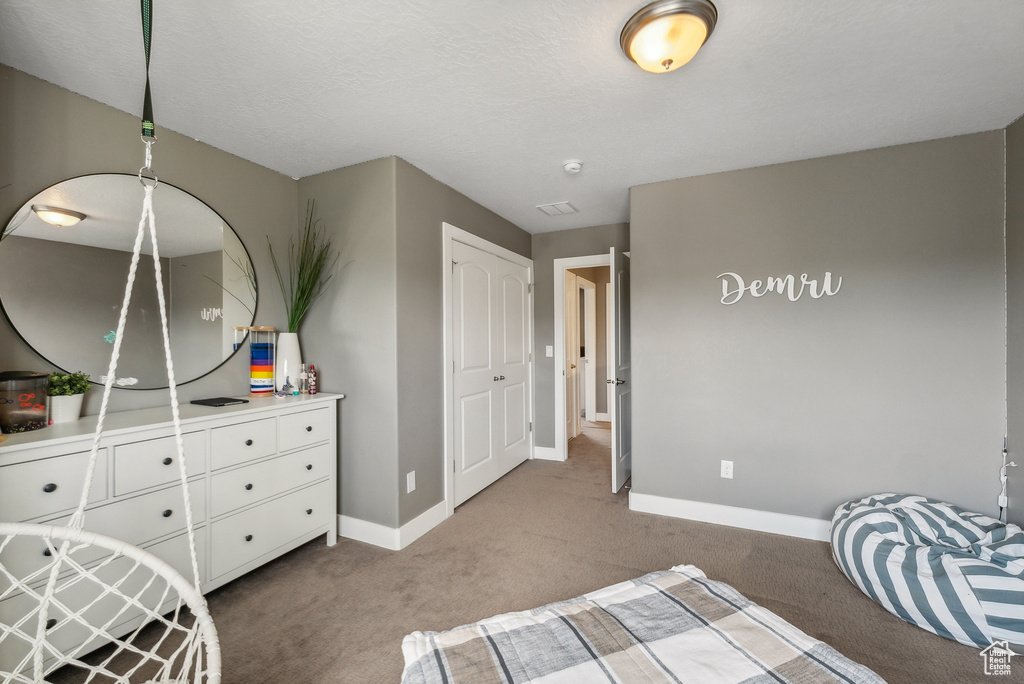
(310, 269)
(65, 393)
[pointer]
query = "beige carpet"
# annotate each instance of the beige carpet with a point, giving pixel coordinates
(546, 532)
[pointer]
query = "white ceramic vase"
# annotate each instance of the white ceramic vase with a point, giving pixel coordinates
(288, 362)
(66, 409)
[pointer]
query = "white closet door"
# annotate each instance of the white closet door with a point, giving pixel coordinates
(491, 382)
(514, 360)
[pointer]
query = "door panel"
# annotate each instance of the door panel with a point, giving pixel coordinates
(621, 407)
(475, 314)
(514, 314)
(516, 412)
(475, 437)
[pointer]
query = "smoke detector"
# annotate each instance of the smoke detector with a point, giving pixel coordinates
(573, 166)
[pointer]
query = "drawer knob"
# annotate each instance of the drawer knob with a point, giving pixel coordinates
(51, 623)
(248, 487)
(248, 442)
(309, 511)
(168, 461)
(49, 488)
(168, 513)
(309, 466)
(248, 537)
(309, 428)
(47, 553)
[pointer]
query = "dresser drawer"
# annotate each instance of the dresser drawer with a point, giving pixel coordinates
(37, 489)
(244, 537)
(76, 597)
(303, 429)
(143, 518)
(251, 484)
(136, 521)
(153, 462)
(234, 444)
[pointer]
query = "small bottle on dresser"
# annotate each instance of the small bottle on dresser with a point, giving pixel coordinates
(312, 379)
(303, 380)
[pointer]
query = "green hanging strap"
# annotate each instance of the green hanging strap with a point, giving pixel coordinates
(148, 128)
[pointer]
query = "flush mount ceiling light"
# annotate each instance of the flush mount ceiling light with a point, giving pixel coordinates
(55, 216)
(666, 34)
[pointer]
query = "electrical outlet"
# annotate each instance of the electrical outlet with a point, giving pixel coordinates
(549, 351)
(727, 469)
(410, 482)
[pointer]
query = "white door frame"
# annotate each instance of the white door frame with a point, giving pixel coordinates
(572, 360)
(560, 267)
(609, 333)
(451, 233)
(589, 290)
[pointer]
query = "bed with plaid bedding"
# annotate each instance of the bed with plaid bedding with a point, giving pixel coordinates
(669, 626)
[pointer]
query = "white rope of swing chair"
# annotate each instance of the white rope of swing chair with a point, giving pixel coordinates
(193, 597)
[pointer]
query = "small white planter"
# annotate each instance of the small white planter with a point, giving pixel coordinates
(66, 409)
(288, 362)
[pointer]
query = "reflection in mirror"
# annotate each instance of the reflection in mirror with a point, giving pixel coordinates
(62, 287)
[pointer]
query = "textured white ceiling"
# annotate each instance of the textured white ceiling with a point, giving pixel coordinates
(491, 96)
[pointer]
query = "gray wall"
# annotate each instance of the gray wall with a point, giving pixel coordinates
(350, 334)
(378, 334)
(423, 204)
(894, 384)
(48, 134)
(1015, 317)
(546, 248)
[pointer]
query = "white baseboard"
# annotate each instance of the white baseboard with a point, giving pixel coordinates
(746, 518)
(603, 418)
(420, 525)
(390, 537)
(546, 453)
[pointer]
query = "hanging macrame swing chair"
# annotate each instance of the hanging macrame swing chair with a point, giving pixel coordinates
(86, 590)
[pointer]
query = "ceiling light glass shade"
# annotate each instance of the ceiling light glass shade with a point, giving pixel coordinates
(56, 216)
(666, 34)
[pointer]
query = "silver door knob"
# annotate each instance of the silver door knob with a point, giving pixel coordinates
(620, 382)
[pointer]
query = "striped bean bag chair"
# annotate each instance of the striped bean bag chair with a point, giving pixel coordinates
(954, 573)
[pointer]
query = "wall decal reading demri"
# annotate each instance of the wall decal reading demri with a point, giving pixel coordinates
(734, 287)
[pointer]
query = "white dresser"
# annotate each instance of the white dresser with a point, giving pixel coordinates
(263, 480)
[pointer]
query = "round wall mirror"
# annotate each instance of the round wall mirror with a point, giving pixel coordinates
(61, 285)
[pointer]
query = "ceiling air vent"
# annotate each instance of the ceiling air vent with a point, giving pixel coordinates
(557, 209)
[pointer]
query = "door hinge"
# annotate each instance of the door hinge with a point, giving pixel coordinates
(530, 288)
(531, 426)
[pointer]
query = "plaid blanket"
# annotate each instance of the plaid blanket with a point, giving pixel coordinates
(670, 626)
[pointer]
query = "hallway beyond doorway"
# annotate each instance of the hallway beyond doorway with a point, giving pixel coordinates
(593, 444)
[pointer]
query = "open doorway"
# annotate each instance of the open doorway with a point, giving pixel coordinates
(581, 343)
(587, 328)
(571, 401)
